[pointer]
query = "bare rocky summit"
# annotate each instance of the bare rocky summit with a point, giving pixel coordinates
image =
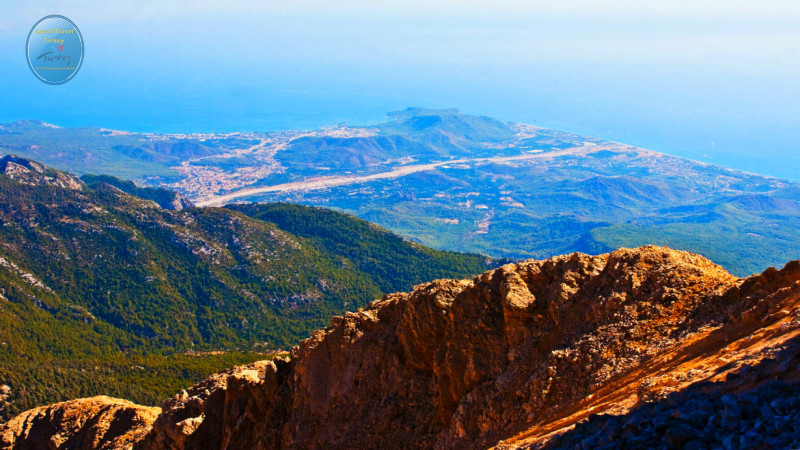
(511, 359)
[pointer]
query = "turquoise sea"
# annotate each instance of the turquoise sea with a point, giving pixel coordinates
(715, 92)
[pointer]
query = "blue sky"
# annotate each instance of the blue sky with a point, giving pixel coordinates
(713, 81)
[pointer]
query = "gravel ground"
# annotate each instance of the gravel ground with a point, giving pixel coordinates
(764, 418)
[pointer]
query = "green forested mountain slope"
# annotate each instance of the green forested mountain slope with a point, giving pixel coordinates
(96, 276)
(391, 261)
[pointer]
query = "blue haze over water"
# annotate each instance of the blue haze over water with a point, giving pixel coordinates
(720, 84)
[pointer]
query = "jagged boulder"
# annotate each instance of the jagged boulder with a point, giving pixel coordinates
(89, 423)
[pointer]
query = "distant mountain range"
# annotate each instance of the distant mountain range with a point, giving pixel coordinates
(458, 182)
(96, 272)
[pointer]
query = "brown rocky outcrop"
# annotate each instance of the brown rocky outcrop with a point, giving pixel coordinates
(508, 358)
(89, 423)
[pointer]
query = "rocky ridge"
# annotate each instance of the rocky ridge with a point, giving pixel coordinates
(512, 358)
(30, 172)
